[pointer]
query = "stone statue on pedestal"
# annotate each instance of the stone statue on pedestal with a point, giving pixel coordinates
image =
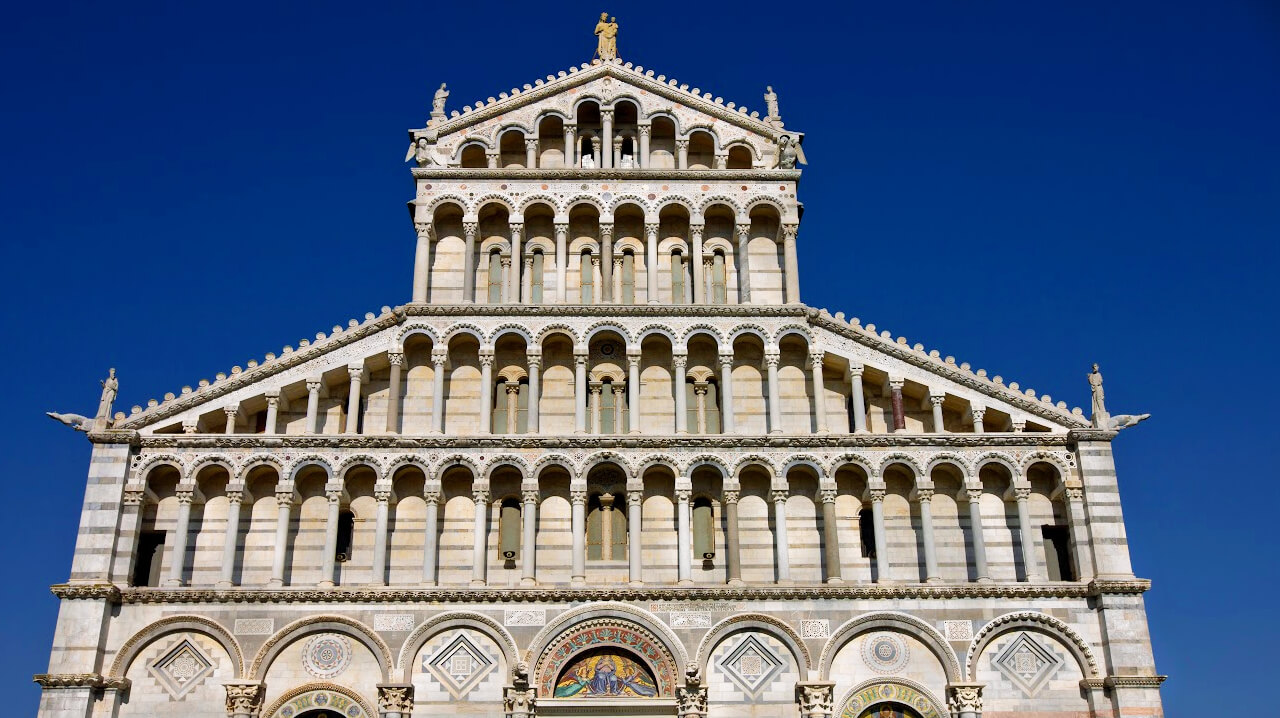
(789, 153)
(771, 103)
(607, 31)
(110, 386)
(437, 103)
(1099, 397)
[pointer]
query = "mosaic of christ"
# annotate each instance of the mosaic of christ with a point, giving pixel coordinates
(605, 675)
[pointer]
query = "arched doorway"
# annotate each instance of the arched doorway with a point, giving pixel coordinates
(891, 698)
(605, 667)
(888, 710)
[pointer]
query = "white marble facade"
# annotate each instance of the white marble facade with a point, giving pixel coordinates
(604, 462)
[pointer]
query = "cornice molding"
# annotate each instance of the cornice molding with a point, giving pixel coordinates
(88, 591)
(595, 173)
(656, 593)
(95, 681)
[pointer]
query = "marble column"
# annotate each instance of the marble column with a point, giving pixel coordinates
(700, 397)
(771, 359)
(856, 399)
(356, 372)
(437, 391)
(975, 526)
(231, 538)
(595, 151)
(606, 130)
(733, 544)
(830, 534)
(534, 362)
(130, 534)
(231, 412)
(504, 261)
(684, 539)
(1022, 494)
(882, 542)
(744, 264)
(726, 394)
(899, 414)
(284, 505)
(529, 521)
(486, 393)
(695, 260)
(379, 573)
(935, 401)
(1082, 552)
(517, 262)
(396, 359)
(633, 394)
(635, 522)
(606, 264)
(333, 493)
(819, 392)
(596, 389)
(531, 153)
(562, 262)
(492, 159)
(580, 392)
(781, 543)
(616, 289)
(479, 532)
(313, 405)
(526, 286)
(651, 263)
(273, 412)
(708, 272)
(790, 263)
(469, 230)
(578, 500)
(422, 263)
(682, 154)
(513, 407)
(924, 496)
(431, 537)
(978, 414)
(643, 159)
(570, 145)
(618, 393)
(178, 554)
(678, 364)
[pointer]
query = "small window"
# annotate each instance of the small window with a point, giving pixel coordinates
(509, 529)
(146, 566)
(346, 532)
(867, 533)
(1057, 553)
(704, 546)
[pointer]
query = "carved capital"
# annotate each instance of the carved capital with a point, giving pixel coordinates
(518, 701)
(516, 227)
(1021, 493)
(679, 361)
(700, 388)
(486, 360)
(634, 498)
(606, 231)
(896, 384)
(244, 698)
(744, 232)
(964, 698)
(816, 359)
(651, 230)
(396, 358)
(284, 498)
(561, 227)
(190, 426)
(577, 497)
(691, 701)
(235, 497)
(505, 261)
(470, 228)
(816, 698)
(789, 232)
(729, 497)
(606, 116)
(439, 359)
(185, 496)
(924, 494)
(530, 496)
(314, 384)
(644, 130)
(978, 413)
(382, 496)
(876, 495)
(937, 399)
(726, 360)
(531, 144)
(682, 145)
(333, 495)
(772, 359)
(1074, 493)
(683, 495)
(534, 361)
(827, 496)
(974, 494)
(513, 387)
(423, 229)
(355, 371)
(580, 359)
(480, 496)
(779, 495)
(396, 698)
(431, 496)
(855, 372)
(134, 497)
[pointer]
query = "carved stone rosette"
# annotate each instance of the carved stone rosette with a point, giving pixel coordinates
(244, 699)
(816, 698)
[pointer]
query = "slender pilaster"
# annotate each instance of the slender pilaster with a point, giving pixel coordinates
(899, 414)
(378, 573)
(781, 544)
(513, 407)
(356, 372)
(329, 566)
(643, 159)
(1072, 493)
(570, 144)
(531, 152)
(635, 517)
(313, 405)
(684, 538)
(978, 414)
(529, 519)
(469, 230)
(882, 543)
(733, 545)
(596, 389)
(578, 499)
(695, 259)
(606, 130)
(231, 537)
(678, 364)
(618, 393)
(526, 281)
(830, 534)
(935, 402)
(393, 392)
(606, 264)
(562, 262)
(726, 393)
(422, 262)
(437, 391)
(819, 392)
(178, 555)
(580, 392)
(771, 359)
(791, 263)
(232, 412)
(273, 412)
(744, 264)
(924, 496)
(682, 154)
(431, 537)
(633, 393)
(284, 505)
(486, 392)
(617, 282)
(974, 496)
(517, 262)
(534, 361)
(700, 397)
(859, 408)
(651, 262)
(479, 532)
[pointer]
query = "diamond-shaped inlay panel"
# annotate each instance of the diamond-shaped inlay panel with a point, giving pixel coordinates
(751, 665)
(181, 669)
(459, 665)
(1027, 664)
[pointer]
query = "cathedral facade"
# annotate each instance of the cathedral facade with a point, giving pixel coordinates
(604, 462)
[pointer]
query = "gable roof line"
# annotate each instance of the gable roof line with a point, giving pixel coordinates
(669, 88)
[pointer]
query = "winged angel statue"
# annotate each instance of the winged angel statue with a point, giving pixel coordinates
(426, 154)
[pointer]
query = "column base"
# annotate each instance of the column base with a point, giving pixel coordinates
(477, 583)
(326, 584)
(578, 582)
(223, 584)
(784, 582)
(983, 579)
(834, 580)
(685, 582)
(526, 581)
(635, 584)
(934, 579)
(174, 582)
(736, 582)
(275, 583)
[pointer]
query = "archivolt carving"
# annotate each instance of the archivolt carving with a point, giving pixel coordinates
(605, 457)
(208, 460)
(753, 329)
(409, 330)
(369, 709)
(939, 707)
(576, 200)
(1034, 621)
(797, 329)
(607, 325)
(891, 620)
(1048, 458)
(455, 619)
(493, 198)
(857, 460)
(309, 460)
(448, 462)
(999, 458)
(662, 329)
(667, 200)
(257, 460)
(759, 622)
(955, 460)
(704, 330)
(634, 199)
(435, 203)
(707, 460)
(552, 329)
(652, 460)
(757, 459)
(174, 624)
(407, 460)
(533, 199)
(510, 328)
(899, 457)
(812, 462)
(760, 199)
(366, 459)
(500, 130)
(315, 624)
(560, 460)
(720, 199)
(151, 462)
(507, 460)
(464, 328)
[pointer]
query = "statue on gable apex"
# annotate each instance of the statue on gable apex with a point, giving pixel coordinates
(607, 31)
(110, 386)
(437, 102)
(771, 104)
(1103, 420)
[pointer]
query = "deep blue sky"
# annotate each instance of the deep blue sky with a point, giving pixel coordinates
(1030, 187)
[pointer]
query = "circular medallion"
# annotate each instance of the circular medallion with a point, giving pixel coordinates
(885, 652)
(607, 349)
(326, 655)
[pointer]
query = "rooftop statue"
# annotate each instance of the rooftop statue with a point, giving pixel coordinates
(771, 103)
(607, 30)
(1099, 398)
(110, 386)
(437, 102)
(426, 154)
(79, 422)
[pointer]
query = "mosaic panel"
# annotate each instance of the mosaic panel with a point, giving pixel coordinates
(608, 674)
(1028, 664)
(958, 630)
(336, 704)
(593, 637)
(181, 669)
(326, 655)
(460, 664)
(815, 628)
(885, 652)
(888, 699)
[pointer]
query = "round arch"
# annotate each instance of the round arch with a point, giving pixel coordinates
(902, 691)
(1040, 623)
(316, 624)
(333, 698)
(891, 620)
(303, 462)
(176, 624)
(448, 621)
(502, 460)
(754, 622)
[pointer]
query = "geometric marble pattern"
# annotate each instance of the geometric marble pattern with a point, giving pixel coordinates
(1027, 664)
(326, 655)
(459, 665)
(958, 630)
(885, 652)
(181, 669)
(751, 666)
